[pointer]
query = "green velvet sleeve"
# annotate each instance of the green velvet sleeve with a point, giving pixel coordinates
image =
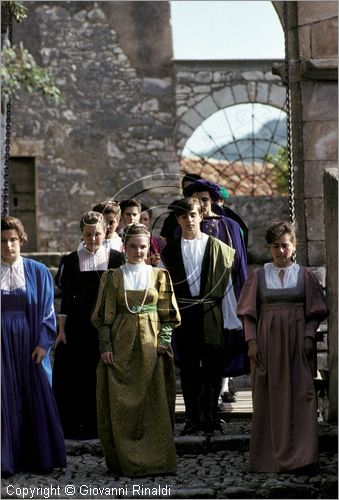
(165, 335)
(105, 344)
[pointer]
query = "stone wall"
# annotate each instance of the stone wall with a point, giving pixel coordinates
(331, 237)
(312, 48)
(258, 214)
(205, 87)
(313, 66)
(124, 118)
(112, 134)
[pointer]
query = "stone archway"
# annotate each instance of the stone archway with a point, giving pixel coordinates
(205, 87)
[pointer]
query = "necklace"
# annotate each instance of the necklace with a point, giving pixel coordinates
(135, 309)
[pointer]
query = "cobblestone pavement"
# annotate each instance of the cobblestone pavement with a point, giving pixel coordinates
(214, 467)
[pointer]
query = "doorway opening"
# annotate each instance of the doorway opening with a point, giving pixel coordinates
(22, 197)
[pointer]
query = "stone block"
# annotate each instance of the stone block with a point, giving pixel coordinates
(217, 77)
(320, 69)
(311, 12)
(113, 150)
(233, 442)
(333, 381)
(239, 492)
(27, 147)
(223, 97)
(277, 96)
(313, 177)
(240, 93)
(320, 140)
(314, 209)
(324, 39)
(180, 145)
(206, 107)
(270, 77)
(319, 101)
(253, 75)
(150, 105)
(302, 256)
(181, 110)
(185, 130)
(322, 362)
(320, 273)
(322, 346)
(192, 119)
(258, 213)
(305, 42)
(80, 16)
(158, 87)
(262, 92)
(287, 489)
(331, 238)
(203, 77)
(201, 89)
(252, 89)
(184, 76)
(316, 253)
(96, 15)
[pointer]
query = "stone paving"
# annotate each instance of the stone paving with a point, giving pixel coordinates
(215, 467)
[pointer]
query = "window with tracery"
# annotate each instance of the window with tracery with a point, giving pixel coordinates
(243, 148)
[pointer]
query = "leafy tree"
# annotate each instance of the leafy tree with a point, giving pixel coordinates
(19, 70)
(280, 170)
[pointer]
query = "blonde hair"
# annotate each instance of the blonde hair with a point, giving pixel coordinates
(92, 218)
(135, 230)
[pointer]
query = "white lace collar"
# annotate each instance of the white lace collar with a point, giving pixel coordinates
(13, 275)
(136, 276)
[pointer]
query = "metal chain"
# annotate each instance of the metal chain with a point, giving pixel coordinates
(5, 189)
(10, 25)
(291, 194)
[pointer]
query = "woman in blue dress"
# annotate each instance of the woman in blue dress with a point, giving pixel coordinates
(31, 433)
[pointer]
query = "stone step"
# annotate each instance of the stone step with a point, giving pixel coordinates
(236, 438)
(242, 407)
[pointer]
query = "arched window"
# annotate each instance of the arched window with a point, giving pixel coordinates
(242, 147)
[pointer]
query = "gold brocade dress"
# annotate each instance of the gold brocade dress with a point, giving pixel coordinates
(136, 395)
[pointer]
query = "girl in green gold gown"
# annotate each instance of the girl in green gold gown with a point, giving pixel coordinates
(135, 314)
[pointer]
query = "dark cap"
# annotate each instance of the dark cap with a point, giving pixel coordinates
(204, 185)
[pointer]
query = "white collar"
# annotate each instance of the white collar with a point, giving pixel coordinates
(135, 267)
(203, 237)
(14, 264)
(278, 269)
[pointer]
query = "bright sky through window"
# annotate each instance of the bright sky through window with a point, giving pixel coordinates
(226, 30)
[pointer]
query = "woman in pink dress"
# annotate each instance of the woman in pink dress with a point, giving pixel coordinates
(281, 306)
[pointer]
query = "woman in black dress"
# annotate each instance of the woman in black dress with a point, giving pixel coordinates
(76, 348)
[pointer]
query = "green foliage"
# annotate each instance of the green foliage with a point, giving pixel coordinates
(279, 173)
(18, 11)
(20, 71)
